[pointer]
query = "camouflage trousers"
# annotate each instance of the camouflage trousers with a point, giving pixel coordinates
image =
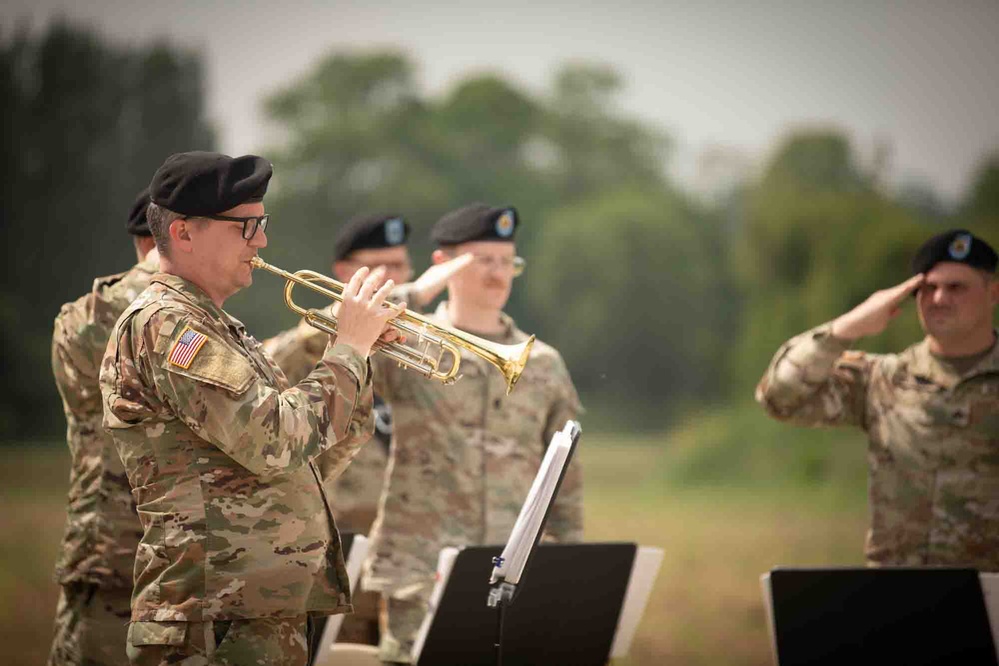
(90, 626)
(400, 621)
(220, 643)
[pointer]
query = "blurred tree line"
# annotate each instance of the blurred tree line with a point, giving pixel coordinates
(85, 125)
(659, 300)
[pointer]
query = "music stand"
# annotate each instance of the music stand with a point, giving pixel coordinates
(911, 616)
(568, 609)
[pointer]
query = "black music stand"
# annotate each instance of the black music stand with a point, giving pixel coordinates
(884, 616)
(568, 609)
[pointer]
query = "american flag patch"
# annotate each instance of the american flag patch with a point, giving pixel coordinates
(187, 347)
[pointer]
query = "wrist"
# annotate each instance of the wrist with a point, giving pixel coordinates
(841, 329)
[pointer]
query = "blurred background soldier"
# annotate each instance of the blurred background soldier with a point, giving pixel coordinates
(931, 413)
(372, 241)
(102, 528)
(463, 457)
(239, 545)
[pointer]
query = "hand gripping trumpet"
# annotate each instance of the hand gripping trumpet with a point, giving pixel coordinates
(509, 359)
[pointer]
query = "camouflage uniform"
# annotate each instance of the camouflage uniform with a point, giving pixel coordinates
(933, 445)
(354, 494)
(102, 528)
(463, 459)
(226, 465)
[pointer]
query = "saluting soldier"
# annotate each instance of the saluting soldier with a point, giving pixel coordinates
(463, 457)
(371, 241)
(931, 413)
(225, 460)
(102, 528)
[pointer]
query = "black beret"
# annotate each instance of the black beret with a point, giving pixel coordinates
(137, 224)
(370, 231)
(200, 183)
(957, 245)
(476, 222)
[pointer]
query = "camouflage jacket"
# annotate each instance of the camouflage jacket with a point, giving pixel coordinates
(226, 462)
(933, 447)
(102, 529)
(354, 494)
(462, 461)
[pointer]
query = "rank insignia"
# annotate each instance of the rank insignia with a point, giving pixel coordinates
(187, 347)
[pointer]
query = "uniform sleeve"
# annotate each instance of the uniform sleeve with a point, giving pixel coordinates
(76, 374)
(813, 380)
(297, 351)
(565, 523)
(218, 394)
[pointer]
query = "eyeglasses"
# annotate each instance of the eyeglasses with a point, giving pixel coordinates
(514, 264)
(250, 224)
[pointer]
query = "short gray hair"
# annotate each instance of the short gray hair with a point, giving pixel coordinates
(159, 219)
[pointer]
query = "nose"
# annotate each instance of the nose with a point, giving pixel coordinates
(259, 239)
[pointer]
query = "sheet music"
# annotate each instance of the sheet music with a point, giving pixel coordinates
(990, 591)
(532, 513)
(643, 576)
(445, 562)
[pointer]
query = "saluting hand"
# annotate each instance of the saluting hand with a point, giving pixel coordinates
(363, 318)
(872, 316)
(434, 279)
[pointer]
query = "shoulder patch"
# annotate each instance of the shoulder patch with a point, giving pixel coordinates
(187, 347)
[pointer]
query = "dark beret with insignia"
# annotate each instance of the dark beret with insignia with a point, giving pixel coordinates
(137, 224)
(370, 231)
(201, 183)
(476, 222)
(959, 246)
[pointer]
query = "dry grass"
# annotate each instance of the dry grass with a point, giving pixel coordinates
(705, 608)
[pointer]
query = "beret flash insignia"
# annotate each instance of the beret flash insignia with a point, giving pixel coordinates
(960, 247)
(395, 231)
(504, 224)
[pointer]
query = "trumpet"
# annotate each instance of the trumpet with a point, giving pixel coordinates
(510, 360)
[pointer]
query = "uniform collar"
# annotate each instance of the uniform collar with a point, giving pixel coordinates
(195, 294)
(922, 362)
(150, 265)
(510, 332)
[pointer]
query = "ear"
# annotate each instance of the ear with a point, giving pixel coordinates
(440, 256)
(180, 235)
(994, 291)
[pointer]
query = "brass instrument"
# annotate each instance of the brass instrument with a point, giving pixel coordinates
(509, 359)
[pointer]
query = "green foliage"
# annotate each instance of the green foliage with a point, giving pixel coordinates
(981, 210)
(637, 282)
(85, 125)
(739, 446)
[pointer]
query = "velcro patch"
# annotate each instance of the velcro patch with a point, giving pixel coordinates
(187, 347)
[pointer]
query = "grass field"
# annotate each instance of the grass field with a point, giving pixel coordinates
(720, 524)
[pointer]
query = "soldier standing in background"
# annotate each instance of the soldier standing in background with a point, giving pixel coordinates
(102, 528)
(239, 546)
(370, 241)
(931, 413)
(463, 457)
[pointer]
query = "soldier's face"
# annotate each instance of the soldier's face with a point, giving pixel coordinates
(488, 281)
(956, 301)
(223, 255)
(395, 260)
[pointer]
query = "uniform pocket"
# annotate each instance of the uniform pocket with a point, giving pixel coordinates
(157, 633)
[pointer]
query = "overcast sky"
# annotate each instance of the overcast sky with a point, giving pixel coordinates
(733, 73)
